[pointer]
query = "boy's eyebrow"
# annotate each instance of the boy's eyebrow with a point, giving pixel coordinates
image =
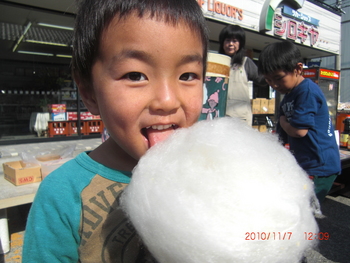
(131, 53)
(145, 57)
(191, 58)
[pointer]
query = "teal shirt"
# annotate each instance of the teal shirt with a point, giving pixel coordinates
(76, 216)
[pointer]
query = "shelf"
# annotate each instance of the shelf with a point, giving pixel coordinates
(19, 105)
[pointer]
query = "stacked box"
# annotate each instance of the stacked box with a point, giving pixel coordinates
(89, 116)
(262, 128)
(56, 108)
(271, 106)
(60, 116)
(83, 115)
(264, 105)
(256, 106)
(96, 117)
(72, 116)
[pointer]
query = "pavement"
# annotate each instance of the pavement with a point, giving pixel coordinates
(334, 222)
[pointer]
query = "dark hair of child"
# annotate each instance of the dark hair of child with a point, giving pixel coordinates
(235, 32)
(279, 56)
(90, 25)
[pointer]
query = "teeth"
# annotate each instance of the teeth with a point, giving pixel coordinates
(161, 127)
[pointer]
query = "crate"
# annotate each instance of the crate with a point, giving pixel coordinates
(58, 128)
(73, 128)
(94, 126)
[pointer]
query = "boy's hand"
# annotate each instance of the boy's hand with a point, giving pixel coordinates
(290, 130)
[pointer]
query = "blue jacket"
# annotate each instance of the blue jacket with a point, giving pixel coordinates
(305, 107)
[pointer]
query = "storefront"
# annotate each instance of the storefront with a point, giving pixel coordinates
(313, 28)
(36, 85)
(35, 48)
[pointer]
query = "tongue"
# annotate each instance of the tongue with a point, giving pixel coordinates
(155, 136)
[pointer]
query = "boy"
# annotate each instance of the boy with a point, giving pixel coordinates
(304, 118)
(139, 64)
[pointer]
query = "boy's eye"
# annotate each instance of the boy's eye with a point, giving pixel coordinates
(135, 76)
(188, 76)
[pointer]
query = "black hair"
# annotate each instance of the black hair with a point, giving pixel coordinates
(236, 32)
(283, 55)
(94, 16)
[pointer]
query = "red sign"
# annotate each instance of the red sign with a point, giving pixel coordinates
(294, 30)
(330, 74)
(309, 73)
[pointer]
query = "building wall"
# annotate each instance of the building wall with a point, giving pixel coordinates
(345, 56)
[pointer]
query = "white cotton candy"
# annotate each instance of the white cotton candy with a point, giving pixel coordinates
(198, 196)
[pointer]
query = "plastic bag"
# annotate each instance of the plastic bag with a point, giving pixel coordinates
(46, 155)
(48, 159)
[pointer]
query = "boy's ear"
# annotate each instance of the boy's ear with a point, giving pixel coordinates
(299, 68)
(87, 94)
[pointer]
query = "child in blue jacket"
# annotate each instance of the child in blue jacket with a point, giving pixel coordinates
(304, 119)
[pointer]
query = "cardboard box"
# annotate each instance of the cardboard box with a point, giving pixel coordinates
(256, 106)
(56, 108)
(58, 116)
(72, 116)
(96, 117)
(18, 173)
(271, 106)
(85, 115)
(262, 128)
(264, 105)
(88, 116)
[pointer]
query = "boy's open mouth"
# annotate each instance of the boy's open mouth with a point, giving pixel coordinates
(158, 133)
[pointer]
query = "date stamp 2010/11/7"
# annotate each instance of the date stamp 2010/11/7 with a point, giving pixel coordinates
(261, 236)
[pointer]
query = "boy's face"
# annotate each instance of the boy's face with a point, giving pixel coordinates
(147, 81)
(284, 81)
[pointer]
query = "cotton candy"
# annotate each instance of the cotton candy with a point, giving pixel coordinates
(219, 192)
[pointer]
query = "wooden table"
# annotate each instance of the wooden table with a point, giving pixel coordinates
(345, 158)
(10, 196)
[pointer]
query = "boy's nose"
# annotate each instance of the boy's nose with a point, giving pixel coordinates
(165, 99)
(272, 84)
